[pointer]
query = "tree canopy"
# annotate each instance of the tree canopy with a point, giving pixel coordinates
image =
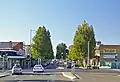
(61, 51)
(41, 44)
(79, 50)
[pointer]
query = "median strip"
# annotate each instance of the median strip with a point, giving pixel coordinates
(69, 75)
(4, 75)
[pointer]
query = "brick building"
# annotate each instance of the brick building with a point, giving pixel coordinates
(15, 53)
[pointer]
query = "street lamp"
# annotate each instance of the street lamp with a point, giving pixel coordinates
(31, 43)
(88, 60)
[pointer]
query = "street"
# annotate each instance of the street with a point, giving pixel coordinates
(98, 77)
(50, 75)
(55, 75)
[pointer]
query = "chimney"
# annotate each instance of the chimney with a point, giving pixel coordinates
(10, 44)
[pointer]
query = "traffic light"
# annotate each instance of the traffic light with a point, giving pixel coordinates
(28, 57)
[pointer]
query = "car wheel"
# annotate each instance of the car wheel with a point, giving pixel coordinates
(20, 73)
(13, 74)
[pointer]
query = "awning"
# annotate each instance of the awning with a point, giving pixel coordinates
(15, 57)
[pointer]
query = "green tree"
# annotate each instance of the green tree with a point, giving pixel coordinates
(41, 44)
(61, 51)
(79, 49)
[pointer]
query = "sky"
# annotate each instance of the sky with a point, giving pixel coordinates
(61, 17)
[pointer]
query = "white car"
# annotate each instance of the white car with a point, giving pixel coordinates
(16, 70)
(38, 68)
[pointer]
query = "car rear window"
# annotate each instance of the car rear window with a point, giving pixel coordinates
(17, 66)
(38, 66)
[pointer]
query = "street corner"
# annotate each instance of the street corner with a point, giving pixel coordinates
(70, 75)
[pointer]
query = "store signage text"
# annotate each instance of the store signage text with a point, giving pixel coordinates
(109, 50)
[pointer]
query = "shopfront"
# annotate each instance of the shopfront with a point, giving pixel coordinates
(11, 58)
(109, 54)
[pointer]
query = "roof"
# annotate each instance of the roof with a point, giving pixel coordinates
(6, 44)
(111, 45)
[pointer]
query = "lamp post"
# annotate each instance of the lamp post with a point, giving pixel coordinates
(31, 43)
(88, 59)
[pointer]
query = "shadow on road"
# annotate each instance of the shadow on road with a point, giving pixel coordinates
(48, 74)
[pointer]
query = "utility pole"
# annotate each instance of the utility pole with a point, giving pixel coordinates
(88, 60)
(30, 45)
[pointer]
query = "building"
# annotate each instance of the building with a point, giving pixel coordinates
(17, 46)
(109, 54)
(14, 53)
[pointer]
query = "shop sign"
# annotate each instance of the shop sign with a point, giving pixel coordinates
(109, 50)
(109, 56)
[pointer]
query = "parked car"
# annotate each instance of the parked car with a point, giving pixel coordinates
(38, 68)
(16, 69)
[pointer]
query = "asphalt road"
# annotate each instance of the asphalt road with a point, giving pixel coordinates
(98, 76)
(52, 74)
(36, 77)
